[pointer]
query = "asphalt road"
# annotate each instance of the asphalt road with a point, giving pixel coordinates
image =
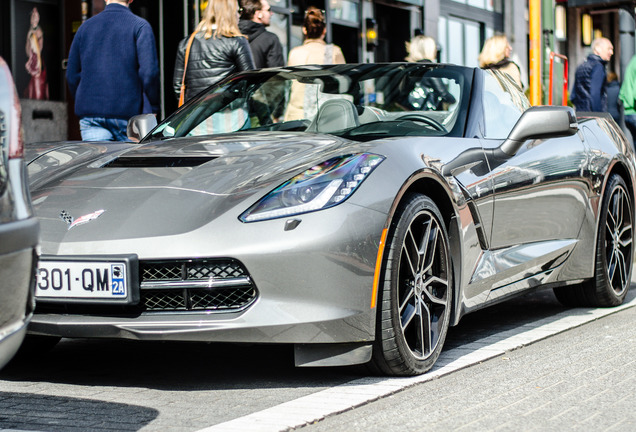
(581, 378)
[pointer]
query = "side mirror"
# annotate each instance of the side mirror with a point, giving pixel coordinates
(535, 123)
(140, 125)
(538, 123)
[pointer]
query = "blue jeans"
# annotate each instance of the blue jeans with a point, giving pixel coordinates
(103, 129)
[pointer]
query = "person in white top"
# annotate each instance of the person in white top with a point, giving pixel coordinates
(314, 50)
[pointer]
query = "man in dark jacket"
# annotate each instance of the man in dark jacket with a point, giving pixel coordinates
(266, 47)
(590, 81)
(112, 65)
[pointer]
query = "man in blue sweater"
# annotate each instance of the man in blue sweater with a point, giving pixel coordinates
(590, 81)
(112, 65)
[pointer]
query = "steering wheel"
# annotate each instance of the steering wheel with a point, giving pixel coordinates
(423, 119)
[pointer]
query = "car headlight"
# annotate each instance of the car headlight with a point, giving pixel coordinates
(321, 186)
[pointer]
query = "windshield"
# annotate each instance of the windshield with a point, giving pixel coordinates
(359, 102)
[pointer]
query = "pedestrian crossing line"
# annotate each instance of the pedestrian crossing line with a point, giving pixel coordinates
(312, 408)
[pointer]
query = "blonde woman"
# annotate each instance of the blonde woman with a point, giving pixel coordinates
(496, 55)
(430, 93)
(421, 48)
(218, 49)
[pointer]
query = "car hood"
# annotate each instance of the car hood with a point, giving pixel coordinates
(163, 188)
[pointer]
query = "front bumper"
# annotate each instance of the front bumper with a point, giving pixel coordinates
(314, 283)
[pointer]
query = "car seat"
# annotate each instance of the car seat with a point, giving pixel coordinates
(335, 115)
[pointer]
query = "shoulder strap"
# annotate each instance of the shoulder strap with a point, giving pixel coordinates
(328, 58)
(185, 67)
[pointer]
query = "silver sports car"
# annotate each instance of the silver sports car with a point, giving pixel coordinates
(354, 211)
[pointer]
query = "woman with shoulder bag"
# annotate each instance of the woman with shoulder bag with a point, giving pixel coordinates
(314, 50)
(215, 49)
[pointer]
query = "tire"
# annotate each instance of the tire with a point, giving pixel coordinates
(416, 293)
(614, 253)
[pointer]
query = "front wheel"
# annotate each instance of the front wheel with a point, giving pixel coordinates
(614, 253)
(416, 295)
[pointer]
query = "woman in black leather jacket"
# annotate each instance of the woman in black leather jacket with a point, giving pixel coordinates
(218, 49)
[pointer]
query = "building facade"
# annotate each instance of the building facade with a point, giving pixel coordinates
(459, 26)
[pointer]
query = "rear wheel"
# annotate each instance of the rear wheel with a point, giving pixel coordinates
(614, 253)
(415, 306)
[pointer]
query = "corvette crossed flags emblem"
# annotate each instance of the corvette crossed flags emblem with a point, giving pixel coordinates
(66, 217)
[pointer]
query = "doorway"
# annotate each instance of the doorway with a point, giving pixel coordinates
(392, 37)
(348, 40)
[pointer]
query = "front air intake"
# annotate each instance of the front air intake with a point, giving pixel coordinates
(195, 285)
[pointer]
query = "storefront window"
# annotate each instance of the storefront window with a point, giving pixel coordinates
(489, 5)
(472, 44)
(36, 44)
(463, 27)
(345, 10)
(455, 50)
(466, 41)
(442, 31)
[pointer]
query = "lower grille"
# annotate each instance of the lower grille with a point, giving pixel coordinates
(195, 285)
(221, 285)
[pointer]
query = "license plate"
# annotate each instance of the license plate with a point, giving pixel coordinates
(100, 280)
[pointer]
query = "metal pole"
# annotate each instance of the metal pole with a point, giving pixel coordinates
(626, 30)
(162, 58)
(185, 18)
(535, 51)
(547, 26)
(197, 13)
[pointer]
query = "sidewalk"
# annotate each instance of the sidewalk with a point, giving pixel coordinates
(583, 379)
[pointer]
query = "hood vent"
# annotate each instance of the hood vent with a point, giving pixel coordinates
(158, 161)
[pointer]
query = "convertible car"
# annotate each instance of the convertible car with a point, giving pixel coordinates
(354, 211)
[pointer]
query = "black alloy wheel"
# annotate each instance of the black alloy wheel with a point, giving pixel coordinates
(614, 253)
(416, 297)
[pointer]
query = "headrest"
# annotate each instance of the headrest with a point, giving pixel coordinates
(335, 115)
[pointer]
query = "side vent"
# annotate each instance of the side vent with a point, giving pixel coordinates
(158, 161)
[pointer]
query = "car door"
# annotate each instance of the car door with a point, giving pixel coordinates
(540, 193)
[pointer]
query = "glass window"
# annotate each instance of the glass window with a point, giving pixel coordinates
(460, 40)
(477, 3)
(442, 38)
(455, 50)
(352, 101)
(489, 5)
(344, 10)
(503, 105)
(472, 45)
(489, 32)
